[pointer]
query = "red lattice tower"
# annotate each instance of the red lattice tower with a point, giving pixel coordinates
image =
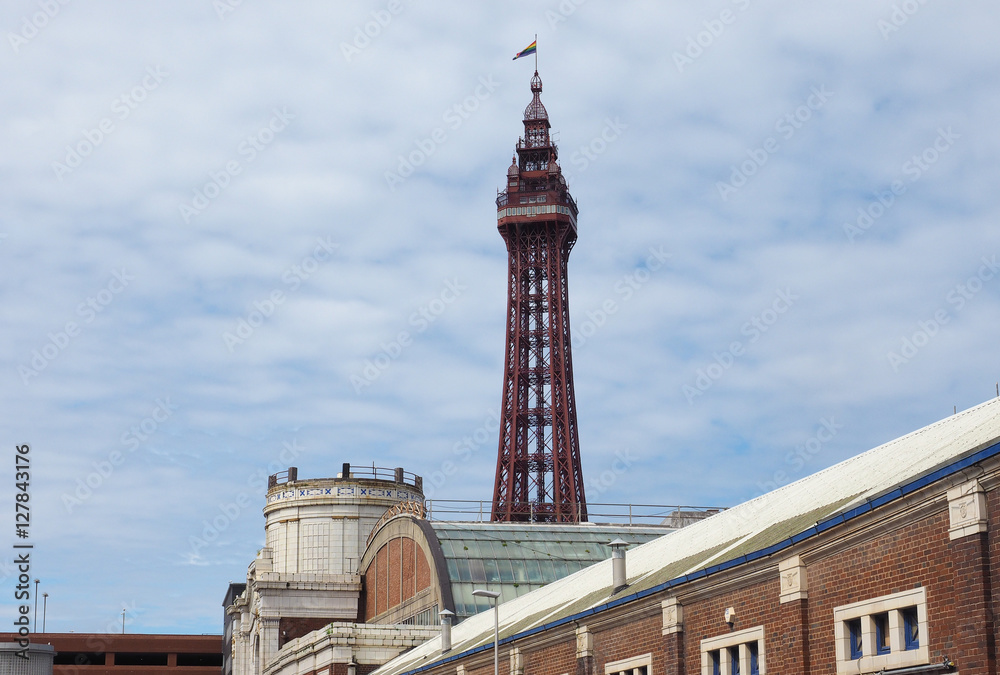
(539, 477)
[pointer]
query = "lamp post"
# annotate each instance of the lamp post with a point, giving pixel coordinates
(45, 606)
(494, 596)
(34, 622)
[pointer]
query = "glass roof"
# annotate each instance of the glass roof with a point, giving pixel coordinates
(515, 559)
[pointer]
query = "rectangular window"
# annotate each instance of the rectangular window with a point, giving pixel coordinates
(634, 666)
(911, 629)
(854, 627)
(887, 632)
(881, 633)
(737, 653)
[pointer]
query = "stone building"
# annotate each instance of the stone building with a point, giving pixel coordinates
(305, 577)
(352, 572)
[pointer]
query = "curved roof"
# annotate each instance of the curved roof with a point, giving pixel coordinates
(516, 558)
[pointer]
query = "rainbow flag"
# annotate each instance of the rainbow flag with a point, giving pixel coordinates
(527, 51)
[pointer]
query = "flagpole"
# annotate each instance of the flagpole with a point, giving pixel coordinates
(536, 52)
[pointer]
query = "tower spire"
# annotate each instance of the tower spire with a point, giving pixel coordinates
(539, 476)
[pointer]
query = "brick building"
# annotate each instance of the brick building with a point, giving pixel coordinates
(887, 562)
(131, 653)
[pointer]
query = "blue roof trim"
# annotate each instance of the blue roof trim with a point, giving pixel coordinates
(829, 522)
(816, 529)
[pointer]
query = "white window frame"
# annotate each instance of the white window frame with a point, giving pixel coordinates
(637, 665)
(898, 656)
(723, 643)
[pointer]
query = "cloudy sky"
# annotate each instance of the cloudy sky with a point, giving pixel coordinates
(219, 218)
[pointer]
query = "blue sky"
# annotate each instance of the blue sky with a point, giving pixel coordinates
(237, 237)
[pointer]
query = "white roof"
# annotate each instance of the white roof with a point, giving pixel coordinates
(751, 526)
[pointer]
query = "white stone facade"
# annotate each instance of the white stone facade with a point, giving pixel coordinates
(338, 643)
(306, 576)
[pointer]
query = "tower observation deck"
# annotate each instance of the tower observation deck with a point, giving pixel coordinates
(538, 477)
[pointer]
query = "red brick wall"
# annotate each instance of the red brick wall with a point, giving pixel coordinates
(674, 662)
(290, 628)
(382, 580)
(993, 551)
(640, 636)
(556, 659)
(917, 554)
(406, 568)
(423, 571)
(395, 559)
(398, 571)
(756, 605)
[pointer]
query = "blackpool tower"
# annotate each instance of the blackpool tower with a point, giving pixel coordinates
(539, 477)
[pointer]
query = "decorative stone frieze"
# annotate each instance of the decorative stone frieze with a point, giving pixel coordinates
(673, 616)
(966, 510)
(584, 642)
(794, 584)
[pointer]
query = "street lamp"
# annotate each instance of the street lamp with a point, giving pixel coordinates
(34, 623)
(45, 606)
(493, 595)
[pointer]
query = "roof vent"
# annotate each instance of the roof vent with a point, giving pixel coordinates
(446, 618)
(619, 578)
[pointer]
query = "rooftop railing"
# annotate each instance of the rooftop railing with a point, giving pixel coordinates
(597, 513)
(348, 470)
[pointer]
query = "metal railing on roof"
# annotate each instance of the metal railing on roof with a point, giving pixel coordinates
(597, 513)
(395, 475)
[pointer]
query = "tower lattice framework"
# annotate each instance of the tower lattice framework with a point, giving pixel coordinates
(539, 477)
